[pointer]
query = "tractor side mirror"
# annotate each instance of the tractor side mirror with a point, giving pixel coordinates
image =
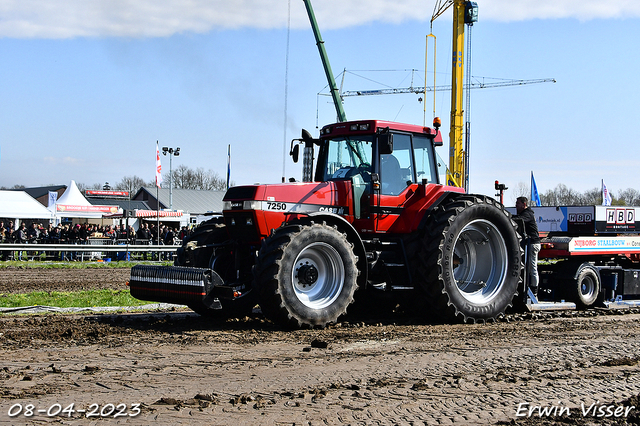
(294, 152)
(385, 143)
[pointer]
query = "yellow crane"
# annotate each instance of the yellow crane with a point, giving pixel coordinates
(464, 13)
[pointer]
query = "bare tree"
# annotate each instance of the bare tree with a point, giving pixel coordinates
(184, 177)
(84, 187)
(131, 184)
(630, 197)
(592, 197)
(561, 195)
(520, 190)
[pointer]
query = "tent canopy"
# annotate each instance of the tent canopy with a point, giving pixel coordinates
(20, 205)
(73, 204)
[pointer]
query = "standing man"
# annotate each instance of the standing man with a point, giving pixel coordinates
(531, 240)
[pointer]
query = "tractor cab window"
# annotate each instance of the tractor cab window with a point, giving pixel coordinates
(396, 169)
(349, 156)
(426, 167)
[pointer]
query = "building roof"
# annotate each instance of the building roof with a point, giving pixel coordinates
(40, 191)
(191, 201)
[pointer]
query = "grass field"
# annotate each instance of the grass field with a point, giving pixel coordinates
(76, 299)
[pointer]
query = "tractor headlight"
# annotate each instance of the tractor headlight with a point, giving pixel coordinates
(242, 205)
(252, 205)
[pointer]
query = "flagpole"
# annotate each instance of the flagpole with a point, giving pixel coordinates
(158, 212)
(228, 164)
(158, 182)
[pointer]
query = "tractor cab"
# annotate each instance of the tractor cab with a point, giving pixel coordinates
(389, 156)
(385, 161)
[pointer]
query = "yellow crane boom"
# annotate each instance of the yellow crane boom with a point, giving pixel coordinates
(464, 12)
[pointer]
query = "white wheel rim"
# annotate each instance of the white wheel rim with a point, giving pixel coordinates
(480, 264)
(321, 260)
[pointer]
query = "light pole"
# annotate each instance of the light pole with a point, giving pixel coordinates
(171, 152)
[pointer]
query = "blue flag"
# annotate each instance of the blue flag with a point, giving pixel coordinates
(535, 198)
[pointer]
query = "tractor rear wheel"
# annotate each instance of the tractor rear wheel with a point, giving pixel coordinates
(305, 275)
(191, 252)
(470, 263)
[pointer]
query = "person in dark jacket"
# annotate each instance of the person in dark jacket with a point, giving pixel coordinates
(532, 239)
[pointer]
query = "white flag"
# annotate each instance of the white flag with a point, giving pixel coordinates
(158, 166)
(53, 199)
(606, 196)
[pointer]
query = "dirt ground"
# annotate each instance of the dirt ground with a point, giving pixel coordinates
(174, 367)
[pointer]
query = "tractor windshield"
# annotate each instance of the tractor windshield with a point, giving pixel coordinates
(347, 156)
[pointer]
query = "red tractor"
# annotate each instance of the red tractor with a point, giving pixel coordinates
(372, 220)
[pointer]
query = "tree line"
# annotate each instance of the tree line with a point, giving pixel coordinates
(562, 195)
(182, 177)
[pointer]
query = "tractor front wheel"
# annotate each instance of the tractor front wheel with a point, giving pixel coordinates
(305, 275)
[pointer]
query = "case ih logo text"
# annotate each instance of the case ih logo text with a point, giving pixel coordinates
(621, 216)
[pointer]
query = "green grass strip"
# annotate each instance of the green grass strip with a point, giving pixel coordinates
(76, 299)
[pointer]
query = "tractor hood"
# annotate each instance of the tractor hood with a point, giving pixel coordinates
(298, 197)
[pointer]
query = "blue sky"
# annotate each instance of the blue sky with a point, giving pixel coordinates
(87, 88)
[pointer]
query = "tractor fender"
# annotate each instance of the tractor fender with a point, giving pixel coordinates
(352, 235)
(426, 213)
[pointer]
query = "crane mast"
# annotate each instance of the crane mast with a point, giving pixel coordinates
(335, 92)
(456, 145)
(464, 12)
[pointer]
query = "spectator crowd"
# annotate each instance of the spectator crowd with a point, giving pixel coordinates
(36, 233)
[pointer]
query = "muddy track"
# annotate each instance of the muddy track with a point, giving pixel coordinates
(180, 368)
(24, 280)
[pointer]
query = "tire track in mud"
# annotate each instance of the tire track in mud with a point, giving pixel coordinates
(395, 370)
(24, 280)
(248, 372)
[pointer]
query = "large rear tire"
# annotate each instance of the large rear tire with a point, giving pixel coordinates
(192, 252)
(470, 263)
(306, 275)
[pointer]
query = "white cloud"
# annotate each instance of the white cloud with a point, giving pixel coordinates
(65, 161)
(153, 18)
(517, 10)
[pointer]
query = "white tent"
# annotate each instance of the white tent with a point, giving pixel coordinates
(20, 205)
(73, 204)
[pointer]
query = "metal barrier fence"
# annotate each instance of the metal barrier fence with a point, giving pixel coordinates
(80, 251)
